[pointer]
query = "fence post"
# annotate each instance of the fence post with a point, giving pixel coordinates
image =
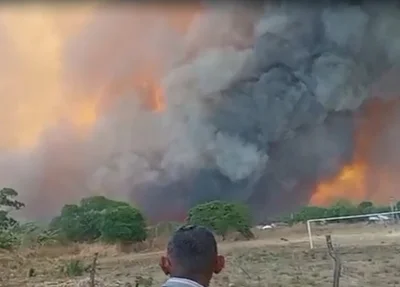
(309, 234)
(336, 259)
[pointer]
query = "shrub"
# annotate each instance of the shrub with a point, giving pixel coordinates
(38, 236)
(380, 209)
(222, 217)
(72, 268)
(365, 207)
(342, 208)
(310, 212)
(8, 239)
(123, 224)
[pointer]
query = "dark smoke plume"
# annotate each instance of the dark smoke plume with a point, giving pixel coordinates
(259, 106)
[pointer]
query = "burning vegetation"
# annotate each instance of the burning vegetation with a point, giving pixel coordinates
(372, 172)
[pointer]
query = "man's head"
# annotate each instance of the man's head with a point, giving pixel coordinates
(192, 254)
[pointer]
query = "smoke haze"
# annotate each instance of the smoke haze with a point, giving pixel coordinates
(83, 118)
(187, 103)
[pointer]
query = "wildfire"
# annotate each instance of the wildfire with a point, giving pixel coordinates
(349, 184)
(146, 82)
(153, 96)
(157, 99)
(373, 173)
(33, 96)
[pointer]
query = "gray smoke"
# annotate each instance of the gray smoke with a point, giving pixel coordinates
(309, 68)
(258, 106)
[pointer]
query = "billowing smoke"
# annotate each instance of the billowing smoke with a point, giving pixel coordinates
(169, 107)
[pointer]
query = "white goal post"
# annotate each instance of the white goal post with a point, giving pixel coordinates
(391, 213)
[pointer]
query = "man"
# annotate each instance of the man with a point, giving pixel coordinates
(192, 258)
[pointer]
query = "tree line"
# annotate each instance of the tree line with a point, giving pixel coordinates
(339, 208)
(98, 218)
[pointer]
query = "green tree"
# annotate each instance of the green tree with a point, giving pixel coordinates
(342, 208)
(83, 222)
(222, 217)
(123, 224)
(8, 237)
(8, 203)
(310, 212)
(99, 203)
(72, 224)
(339, 208)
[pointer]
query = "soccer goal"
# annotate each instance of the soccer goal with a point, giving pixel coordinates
(391, 216)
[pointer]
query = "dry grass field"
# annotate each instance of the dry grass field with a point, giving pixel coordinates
(279, 257)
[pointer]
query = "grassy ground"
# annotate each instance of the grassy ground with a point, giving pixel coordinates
(278, 257)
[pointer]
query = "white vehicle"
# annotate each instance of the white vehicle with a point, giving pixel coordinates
(268, 226)
(378, 217)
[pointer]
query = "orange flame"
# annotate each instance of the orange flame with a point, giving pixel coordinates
(349, 184)
(365, 178)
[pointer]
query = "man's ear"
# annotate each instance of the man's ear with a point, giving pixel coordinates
(165, 265)
(220, 264)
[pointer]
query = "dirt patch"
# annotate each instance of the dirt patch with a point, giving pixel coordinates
(278, 257)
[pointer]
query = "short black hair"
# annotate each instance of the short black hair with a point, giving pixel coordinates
(193, 249)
